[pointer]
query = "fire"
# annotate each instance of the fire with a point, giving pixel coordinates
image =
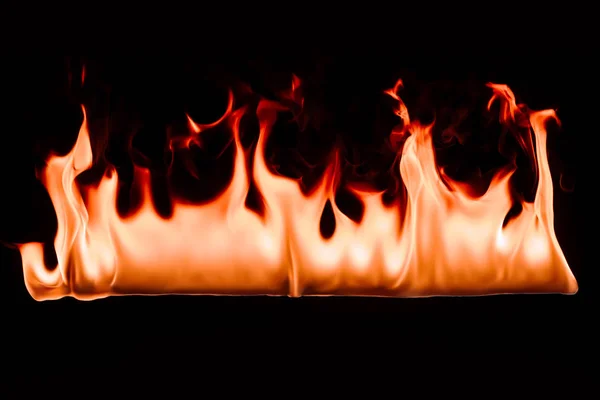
(443, 241)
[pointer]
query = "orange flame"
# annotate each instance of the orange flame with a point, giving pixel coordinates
(444, 242)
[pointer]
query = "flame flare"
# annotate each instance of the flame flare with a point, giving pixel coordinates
(443, 242)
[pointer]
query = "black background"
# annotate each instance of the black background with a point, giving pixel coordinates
(540, 340)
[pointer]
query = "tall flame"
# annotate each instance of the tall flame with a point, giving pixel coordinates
(443, 242)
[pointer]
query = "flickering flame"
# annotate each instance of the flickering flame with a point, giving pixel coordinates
(442, 242)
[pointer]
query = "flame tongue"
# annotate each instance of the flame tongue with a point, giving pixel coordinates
(449, 243)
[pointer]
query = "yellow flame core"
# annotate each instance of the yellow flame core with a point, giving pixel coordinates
(444, 243)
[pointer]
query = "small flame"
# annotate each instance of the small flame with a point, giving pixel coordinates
(443, 242)
(399, 135)
(196, 129)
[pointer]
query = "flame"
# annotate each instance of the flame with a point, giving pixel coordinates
(443, 242)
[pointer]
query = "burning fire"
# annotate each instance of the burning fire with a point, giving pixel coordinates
(442, 240)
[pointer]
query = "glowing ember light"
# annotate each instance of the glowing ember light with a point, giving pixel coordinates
(442, 242)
